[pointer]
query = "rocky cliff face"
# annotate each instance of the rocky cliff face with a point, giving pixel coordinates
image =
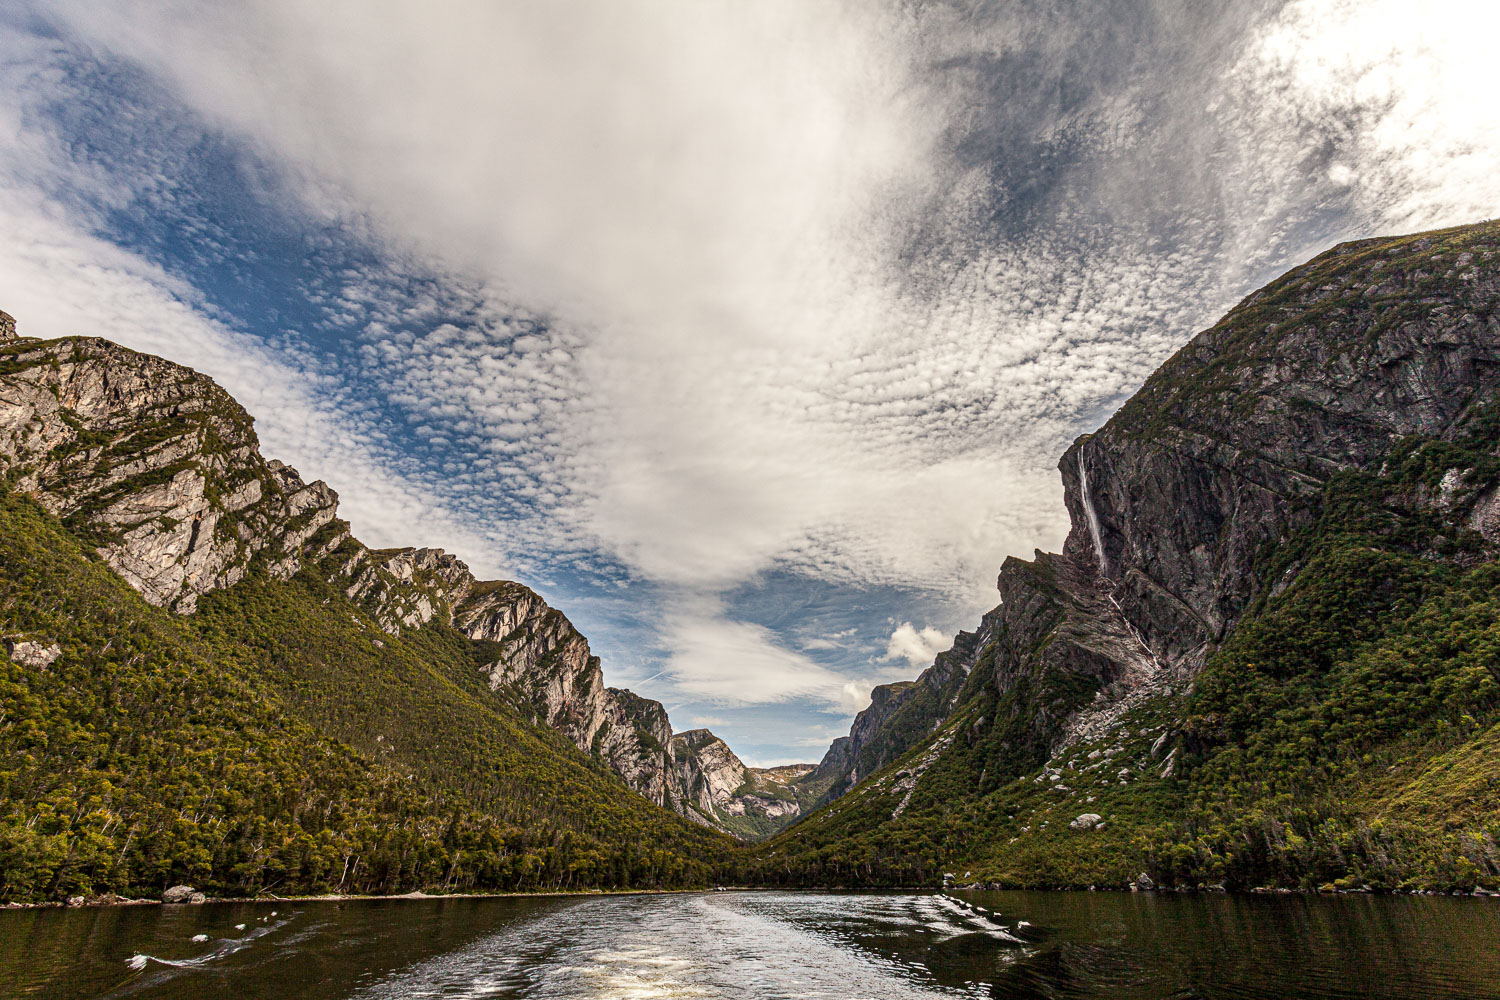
(153, 463)
(160, 469)
(1227, 446)
(899, 716)
(1225, 451)
(747, 801)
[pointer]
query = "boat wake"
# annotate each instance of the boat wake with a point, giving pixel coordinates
(769, 945)
(222, 949)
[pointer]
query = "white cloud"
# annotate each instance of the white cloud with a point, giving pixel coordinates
(721, 662)
(1414, 82)
(918, 648)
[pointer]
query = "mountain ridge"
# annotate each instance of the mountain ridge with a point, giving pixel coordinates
(1206, 515)
(159, 469)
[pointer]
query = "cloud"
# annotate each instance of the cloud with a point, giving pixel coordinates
(917, 648)
(1407, 83)
(679, 298)
(729, 663)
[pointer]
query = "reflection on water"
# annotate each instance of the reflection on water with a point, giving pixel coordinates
(890, 946)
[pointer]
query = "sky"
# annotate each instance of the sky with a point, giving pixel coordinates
(749, 335)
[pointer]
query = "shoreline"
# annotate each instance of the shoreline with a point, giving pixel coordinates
(339, 897)
(419, 895)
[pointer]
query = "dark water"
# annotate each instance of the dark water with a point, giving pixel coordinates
(764, 944)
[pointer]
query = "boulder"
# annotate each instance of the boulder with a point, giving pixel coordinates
(1087, 821)
(29, 653)
(180, 894)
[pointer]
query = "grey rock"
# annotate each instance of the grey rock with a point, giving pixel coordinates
(159, 463)
(1086, 821)
(178, 894)
(30, 653)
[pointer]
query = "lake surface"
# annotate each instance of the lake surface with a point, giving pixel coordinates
(766, 944)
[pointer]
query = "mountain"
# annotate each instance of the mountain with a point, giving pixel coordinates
(208, 679)
(1269, 652)
(749, 802)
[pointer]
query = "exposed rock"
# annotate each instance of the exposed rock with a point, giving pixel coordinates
(901, 715)
(155, 464)
(178, 894)
(30, 653)
(7, 327)
(1086, 821)
(1230, 443)
(716, 785)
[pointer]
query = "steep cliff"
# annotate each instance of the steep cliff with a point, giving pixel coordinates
(155, 465)
(1280, 516)
(899, 717)
(159, 470)
(746, 801)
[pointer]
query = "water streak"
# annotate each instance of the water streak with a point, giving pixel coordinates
(725, 946)
(1089, 515)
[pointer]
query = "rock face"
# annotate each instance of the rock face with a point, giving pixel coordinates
(155, 464)
(7, 327)
(1225, 450)
(160, 469)
(747, 801)
(900, 716)
(31, 653)
(1221, 450)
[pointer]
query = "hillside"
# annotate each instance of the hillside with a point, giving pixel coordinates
(208, 680)
(1269, 653)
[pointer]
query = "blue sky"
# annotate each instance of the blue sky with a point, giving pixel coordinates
(747, 334)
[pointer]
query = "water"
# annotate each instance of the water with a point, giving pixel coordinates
(766, 945)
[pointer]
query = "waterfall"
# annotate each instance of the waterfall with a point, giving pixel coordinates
(1088, 512)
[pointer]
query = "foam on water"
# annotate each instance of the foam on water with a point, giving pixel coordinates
(729, 945)
(224, 948)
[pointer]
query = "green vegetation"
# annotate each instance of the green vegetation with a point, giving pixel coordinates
(1346, 735)
(277, 741)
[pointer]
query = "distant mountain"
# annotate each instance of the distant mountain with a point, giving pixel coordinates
(749, 802)
(274, 704)
(1269, 653)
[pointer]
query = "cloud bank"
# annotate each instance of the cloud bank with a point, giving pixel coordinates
(664, 300)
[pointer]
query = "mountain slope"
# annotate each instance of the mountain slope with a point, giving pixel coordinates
(1266, 652)
(749, 802)
(158, 469)
(279, 741)
(273, 704)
